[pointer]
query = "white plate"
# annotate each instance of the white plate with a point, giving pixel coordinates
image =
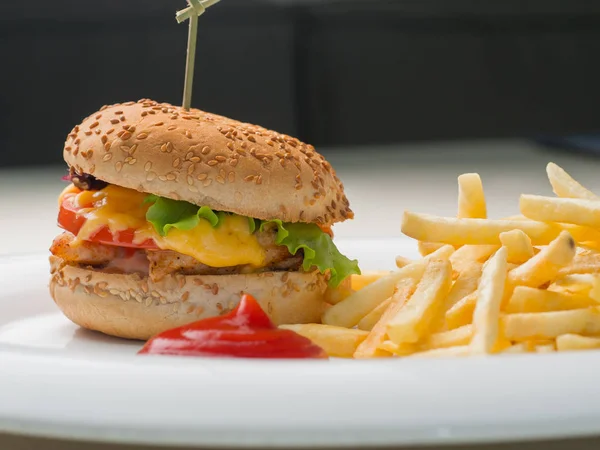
(58, 380)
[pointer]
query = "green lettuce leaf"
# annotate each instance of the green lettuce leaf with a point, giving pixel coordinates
(165, 214)
(319, 249)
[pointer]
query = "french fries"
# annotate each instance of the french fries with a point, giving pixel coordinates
(544, 266)
(368, 322)
(366, 278)
(336, 341)
(563, 210)
(471, 199)
(567, 342)
(487, 308)
(457, 232)
(409, 324)
(349, 312)
(549, 325)
(565, 186)
(531, 300)
(527, 284)
(518, 245)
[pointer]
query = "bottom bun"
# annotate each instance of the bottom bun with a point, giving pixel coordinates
(134, 307)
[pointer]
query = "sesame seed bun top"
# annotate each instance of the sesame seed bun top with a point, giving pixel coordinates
(208, 160)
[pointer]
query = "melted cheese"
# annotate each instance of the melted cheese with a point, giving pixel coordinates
(118, 208)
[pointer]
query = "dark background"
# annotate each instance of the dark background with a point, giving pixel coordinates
(334, 73)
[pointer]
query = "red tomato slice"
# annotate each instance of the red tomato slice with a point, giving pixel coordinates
(69, 220)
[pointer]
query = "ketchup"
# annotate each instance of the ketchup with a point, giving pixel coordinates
(246, 332)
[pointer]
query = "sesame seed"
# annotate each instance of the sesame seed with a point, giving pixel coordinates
(233, 162)
(114, 121)
(92, 169)
(126, 135)
(220, 158)
(88, 133)
(118, 166)
(190, 180)
(231, 177)
(251, 138)
(212, 162)
(171, 176)
(189, 155)
(220, 180)
(107, 157)
(230, 146)
(151, 176)
(191, 169)
(240, 151)
(144, 113)
(104, 139)
(110, 131)
(176, 162)
(172, 127)
(142, 136)
(202, 176)
(118, 113)
(249, 178)
(162, 178)
(148, 166)
(270, 142)
(94, 125)
(122, 118)
(207, 182)
(195, 159)
(188, 134)
(193, 189)
(205, 150)
(215, 291)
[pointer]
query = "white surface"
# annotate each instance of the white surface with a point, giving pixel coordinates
(58, 380)
(381, 182)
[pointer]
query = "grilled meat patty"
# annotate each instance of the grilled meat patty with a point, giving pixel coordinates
(160, 263)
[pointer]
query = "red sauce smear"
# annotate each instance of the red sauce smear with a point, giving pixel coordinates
(246, 332)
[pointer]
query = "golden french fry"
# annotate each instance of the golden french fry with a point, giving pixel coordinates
(464, 257)
(368, 322)
(566, 210)
(549, 325)
(545, 348)
(518, 245)
(412, 321)
(361, 281)
(426, 248)
(545, 265)
(403, 290)
(567, 342)
(565, 186)
(452, 338)
(349, 312)
(525, 299)
(585, 262)
(583, 234)
(336, 341)
(336, 295)
(461, 350)
(586, 284)
(398, 350)
(462, 312)
(487, 309)
(521, 347)
(426, 227)
(465, 284)
(471, 198)
(402, 261)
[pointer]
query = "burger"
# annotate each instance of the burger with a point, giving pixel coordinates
(171, 215)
